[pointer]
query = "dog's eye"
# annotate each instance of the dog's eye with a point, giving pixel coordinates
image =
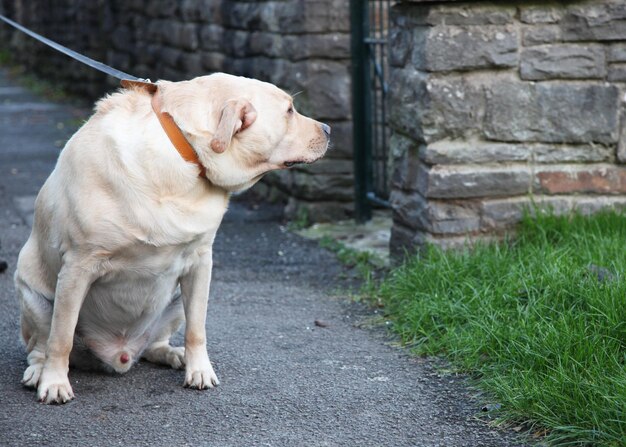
(290, 110)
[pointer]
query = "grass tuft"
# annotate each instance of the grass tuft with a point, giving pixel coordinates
(540, 321)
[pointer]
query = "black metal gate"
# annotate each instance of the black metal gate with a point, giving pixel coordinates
(370, 25)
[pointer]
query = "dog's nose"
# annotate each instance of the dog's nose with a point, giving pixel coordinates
(326, 129)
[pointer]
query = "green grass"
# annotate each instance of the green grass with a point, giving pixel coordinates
(531, 320)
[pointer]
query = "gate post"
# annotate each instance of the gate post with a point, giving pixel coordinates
(361, 110)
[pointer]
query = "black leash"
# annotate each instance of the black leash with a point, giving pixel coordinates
(73, 54)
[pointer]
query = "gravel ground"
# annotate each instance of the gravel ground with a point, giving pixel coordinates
(284, 380)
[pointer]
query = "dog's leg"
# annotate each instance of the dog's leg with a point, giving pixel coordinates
(72, 286)
(160, 351)
(35, 327)
(195, 289)
(35, 339)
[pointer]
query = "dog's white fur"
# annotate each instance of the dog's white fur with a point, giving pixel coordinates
(123, 222)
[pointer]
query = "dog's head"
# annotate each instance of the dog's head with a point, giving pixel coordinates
(243, 128)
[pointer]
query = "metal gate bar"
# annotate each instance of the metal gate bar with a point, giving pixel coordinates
(369, 93)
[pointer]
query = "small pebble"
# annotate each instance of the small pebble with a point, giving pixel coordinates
(491, 407)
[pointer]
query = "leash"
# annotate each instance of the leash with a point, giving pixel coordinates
(127, 81)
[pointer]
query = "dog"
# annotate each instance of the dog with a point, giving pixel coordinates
(120, 253)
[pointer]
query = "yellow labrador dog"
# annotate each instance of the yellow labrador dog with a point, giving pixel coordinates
(121, 249)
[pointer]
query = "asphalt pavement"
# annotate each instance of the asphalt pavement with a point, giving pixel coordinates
(285, 380)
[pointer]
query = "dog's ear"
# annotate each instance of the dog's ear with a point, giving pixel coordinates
(236, 115)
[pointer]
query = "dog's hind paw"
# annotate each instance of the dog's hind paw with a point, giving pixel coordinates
(176, 358)
(32, 375)
(166, 355)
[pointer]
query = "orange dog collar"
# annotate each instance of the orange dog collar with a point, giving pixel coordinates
(173, 132)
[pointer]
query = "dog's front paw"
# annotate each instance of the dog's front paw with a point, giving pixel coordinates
(54, 388)
(201, 379)
(32, 374)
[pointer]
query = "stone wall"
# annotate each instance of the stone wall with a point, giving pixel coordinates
(303, 47)
(499, 105)
(84, 26)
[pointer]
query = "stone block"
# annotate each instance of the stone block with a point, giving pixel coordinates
(565, 153)
(325, 85)
(506, 213)
(617, 72)
(122, 38)
(321, 16)
(453, 14)
(282, 178)
(262, 43)
(414, 211)
(540, 14)
(539, 35)
(173, 74)
(148, 54)
(617, 52)
(247, 15)
(213, 61)
(603, 22)
(430, 109)
(160, 31)
(170, 56)
(260, 67)
(313, 16)
(405, 163)
(447, 48)
(403, 242)
(552, 112)
(161, 8)
(211, 37)
(327, 166)
(323, 46)
(191, 10)
(408, 100)
(503, 213)
(188, 37)
(472, 151)
(475, 151)
(467, 151)
(400, 46)
(459, 182)
(585, 179)
(563, 61)
(322, 186)
(408, 209)
(594, 204)
(621, 145)
(192, 64)
(210, 11)
(235, 43)
(319, 211)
